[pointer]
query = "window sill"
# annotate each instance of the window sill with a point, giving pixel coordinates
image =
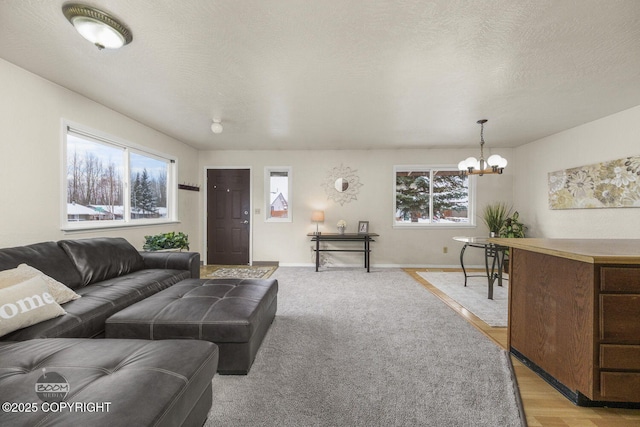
(277, 220)
(432, 226)
(112, 225)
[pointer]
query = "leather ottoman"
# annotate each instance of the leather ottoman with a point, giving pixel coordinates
(105, 382)
(235, 314)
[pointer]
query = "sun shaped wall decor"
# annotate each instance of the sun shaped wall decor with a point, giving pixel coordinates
(342, 184)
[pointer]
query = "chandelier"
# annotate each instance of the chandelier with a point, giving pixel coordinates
(472, 166)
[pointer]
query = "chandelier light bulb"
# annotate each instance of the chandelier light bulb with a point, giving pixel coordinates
(494, 160)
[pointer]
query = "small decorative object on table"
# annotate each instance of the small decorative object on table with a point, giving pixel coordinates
(363, 227)
(342, 225)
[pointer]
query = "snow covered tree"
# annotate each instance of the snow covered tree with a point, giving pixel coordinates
(412, 195)
(142, 197)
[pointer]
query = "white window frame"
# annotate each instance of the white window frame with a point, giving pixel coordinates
(267, 193)
(127, 147)
(434, 168)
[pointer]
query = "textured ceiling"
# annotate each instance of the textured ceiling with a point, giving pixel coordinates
(294, 74)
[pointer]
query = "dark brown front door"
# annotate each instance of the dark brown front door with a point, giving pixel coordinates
(228, 216)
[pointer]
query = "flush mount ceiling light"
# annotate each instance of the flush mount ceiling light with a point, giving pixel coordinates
(216, 127)
(100, 28)
(472, 166)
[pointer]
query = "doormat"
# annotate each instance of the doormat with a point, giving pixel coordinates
(236, 271)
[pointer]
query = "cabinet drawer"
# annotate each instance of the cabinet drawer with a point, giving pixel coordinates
(620, 357)
(621, 386)
(619, 316)
(620, 279)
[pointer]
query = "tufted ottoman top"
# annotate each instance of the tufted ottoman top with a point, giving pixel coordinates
(216, 310)
(145, 383)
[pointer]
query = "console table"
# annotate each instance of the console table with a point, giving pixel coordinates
(364, 238)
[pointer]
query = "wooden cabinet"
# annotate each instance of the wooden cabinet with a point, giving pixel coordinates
(620, 357)
(620, 318)
(620, 279)
(619, 333)
(574, 315)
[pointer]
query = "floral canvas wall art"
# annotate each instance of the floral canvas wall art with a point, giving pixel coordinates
(612, 184)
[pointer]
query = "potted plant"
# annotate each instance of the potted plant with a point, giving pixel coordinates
(166, 241)
(494, 216)
(512, 227)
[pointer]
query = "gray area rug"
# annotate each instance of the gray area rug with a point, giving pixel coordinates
(473, 297)
(350, 348)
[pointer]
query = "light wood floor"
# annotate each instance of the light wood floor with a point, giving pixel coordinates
(543, 405)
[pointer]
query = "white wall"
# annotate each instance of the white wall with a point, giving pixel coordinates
(609, 138)
(31, 116)
(31, 113)
(288, 243)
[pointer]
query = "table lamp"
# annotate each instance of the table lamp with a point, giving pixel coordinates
(317, 216)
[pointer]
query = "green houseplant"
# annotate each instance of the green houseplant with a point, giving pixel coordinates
(163, 241)
(512, 227)
(494, 216)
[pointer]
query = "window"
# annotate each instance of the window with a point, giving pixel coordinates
(278, 194)
(432, 196)
(111, 183)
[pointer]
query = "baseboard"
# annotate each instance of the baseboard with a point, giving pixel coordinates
(359, 265)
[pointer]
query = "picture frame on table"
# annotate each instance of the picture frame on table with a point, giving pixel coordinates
(363, 227)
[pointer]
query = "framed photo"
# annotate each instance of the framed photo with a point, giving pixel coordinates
(363, 227)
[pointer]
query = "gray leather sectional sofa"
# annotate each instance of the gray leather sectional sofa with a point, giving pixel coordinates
(144, 383)
(108, 273)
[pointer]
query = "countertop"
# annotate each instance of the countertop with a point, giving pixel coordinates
(594, 251)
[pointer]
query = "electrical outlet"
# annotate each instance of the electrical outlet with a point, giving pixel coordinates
(257, 211)
(445, 249)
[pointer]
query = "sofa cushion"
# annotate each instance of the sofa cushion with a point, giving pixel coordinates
(58, 291)
(147, 383)
(25, 304)
(86, 316)
(103, 258)
(47, 257)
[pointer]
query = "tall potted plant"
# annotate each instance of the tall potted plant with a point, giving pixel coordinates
(494, 216)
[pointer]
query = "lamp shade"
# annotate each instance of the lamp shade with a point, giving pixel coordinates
(317, 216)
